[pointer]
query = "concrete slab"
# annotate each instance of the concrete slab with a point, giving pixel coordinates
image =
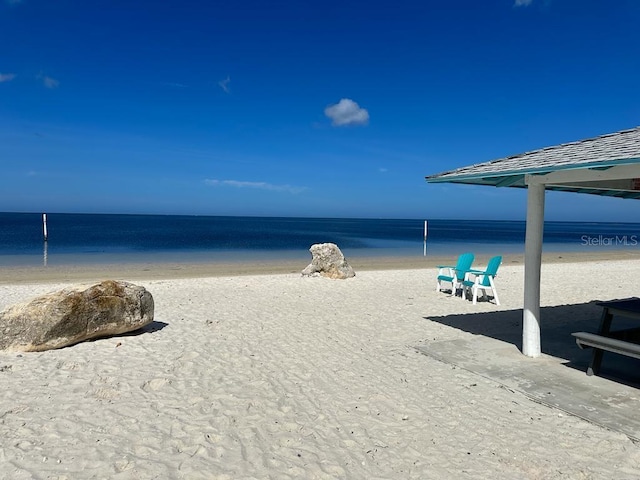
(559, 380)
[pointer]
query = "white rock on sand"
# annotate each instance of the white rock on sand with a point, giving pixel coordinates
(278, 376)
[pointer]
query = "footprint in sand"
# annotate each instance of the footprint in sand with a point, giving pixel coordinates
(155, 384)
(123, 464)
(106, 393)
(68, 365)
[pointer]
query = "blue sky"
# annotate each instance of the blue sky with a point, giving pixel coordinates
(298, 108)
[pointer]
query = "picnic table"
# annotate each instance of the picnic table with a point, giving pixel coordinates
(623, 342)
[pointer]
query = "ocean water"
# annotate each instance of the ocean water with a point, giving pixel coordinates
(100, 238)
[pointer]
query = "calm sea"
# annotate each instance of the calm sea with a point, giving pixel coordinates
(99, 238)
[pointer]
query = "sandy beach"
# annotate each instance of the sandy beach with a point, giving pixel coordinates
(252, 372)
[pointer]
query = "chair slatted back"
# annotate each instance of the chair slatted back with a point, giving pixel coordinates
(464, 264)
(491, 270)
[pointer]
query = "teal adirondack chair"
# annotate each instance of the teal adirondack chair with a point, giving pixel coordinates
(454, 275)
(483, 280)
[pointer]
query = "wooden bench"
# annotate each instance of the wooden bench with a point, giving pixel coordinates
(622, 342)
(601, 343)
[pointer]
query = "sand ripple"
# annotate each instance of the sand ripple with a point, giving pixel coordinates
(286, 377)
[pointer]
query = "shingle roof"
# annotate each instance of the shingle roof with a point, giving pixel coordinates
(613, 149)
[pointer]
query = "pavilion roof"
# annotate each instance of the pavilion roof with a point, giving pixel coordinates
(599, 153)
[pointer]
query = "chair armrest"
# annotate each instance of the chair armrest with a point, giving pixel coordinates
(476, 272)
(447, 271)
(466, 273)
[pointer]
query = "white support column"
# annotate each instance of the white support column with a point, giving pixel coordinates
(532, 265)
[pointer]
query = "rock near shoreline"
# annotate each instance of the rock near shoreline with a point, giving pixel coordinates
(75, 314)
(328, 261)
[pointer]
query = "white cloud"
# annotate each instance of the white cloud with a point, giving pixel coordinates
(258, 185)
(522, 3)
(224, 84)
(50, 82)
(7, 77)
(346, 112)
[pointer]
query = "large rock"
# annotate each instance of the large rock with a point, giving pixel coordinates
(327, 260)
(75, 314)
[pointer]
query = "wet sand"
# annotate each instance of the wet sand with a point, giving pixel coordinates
(166, 270)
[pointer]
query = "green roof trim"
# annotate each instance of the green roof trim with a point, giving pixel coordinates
(599, 153)
(451, 175)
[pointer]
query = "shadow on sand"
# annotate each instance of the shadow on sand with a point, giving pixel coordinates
(493, 350)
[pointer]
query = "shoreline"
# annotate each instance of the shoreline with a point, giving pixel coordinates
(88, 272)
(281, 376)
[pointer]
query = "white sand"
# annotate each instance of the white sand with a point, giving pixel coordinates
(279, 376)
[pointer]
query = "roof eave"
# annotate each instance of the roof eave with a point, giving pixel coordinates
(495, 178)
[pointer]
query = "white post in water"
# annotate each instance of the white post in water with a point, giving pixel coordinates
(425, 238)
(44, 226)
